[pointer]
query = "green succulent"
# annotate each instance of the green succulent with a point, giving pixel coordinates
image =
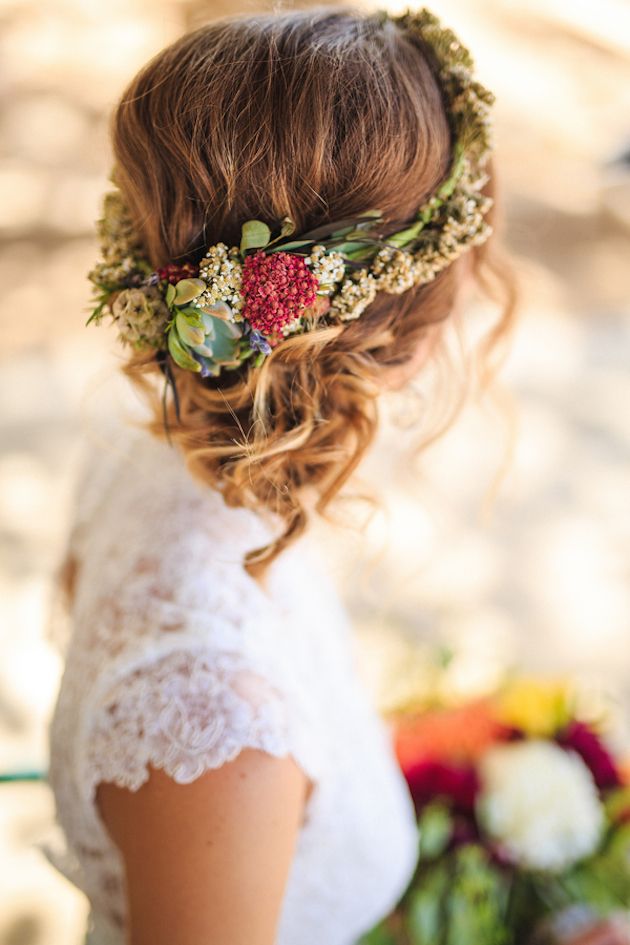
(202, 339)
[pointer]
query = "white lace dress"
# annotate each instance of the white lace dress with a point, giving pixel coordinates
(178, 658)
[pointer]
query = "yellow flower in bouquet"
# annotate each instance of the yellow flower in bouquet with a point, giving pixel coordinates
(539, 707)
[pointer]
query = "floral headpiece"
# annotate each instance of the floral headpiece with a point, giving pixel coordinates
(238, 303)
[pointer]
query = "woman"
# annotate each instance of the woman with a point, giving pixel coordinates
(302, 201)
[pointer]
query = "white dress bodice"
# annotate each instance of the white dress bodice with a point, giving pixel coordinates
(176, 657)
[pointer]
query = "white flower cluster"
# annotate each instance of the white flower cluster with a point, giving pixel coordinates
(222, 271)
(394, 270)
(541, 803)
(354, 296)
(328, 268)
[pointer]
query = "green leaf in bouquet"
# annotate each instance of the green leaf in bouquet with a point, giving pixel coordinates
(525, 908)
(603, 881)
(477, 900)
(548, 889)
(590, 887)
(436, 830)
(618, 846)
(426, 919)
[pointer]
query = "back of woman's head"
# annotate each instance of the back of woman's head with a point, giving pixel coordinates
(318, 115)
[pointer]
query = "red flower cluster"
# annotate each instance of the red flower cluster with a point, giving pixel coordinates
(430, 779)
(277, 287)
(595, 756)
(173, 273)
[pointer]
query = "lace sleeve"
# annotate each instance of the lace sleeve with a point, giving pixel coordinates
(189, 711)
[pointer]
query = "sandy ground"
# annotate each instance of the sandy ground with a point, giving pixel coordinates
(539, 580)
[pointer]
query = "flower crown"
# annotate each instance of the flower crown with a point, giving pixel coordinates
(238, 303)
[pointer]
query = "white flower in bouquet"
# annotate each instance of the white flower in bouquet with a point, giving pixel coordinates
(540, 803)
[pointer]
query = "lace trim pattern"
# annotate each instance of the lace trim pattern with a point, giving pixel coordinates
(186, 713)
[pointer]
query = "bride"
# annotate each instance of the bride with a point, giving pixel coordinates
(301, 201)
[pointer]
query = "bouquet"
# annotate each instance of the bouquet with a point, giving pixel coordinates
(523, 817)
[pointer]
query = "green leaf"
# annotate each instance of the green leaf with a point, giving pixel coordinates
(603, 880)
(287, 228)
(96, 314)
(205, 349)
(188, 289)
(425, 918)
(254, 235)
(477, 900)
(295, 244)
(190, 334)
(217, 310)
(366, 252)
(448, 186)
(179, 354)
(341, 227)
(208, 322)
(405, 236)
(221, 341)
(170, 294)
(192, 314)
(436, 829)
(352, 246)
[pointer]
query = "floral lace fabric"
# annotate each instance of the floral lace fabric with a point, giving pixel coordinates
(175, 657)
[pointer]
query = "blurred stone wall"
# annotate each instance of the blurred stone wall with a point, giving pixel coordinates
(542, 582)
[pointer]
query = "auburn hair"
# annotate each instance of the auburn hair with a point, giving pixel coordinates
(316, 114)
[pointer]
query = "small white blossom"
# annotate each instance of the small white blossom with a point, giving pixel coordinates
(354, 296)
(222, 271)
(328, 268)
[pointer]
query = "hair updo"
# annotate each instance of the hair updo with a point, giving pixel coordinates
(319, 115)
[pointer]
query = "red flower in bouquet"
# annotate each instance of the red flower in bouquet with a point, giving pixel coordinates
(429, 780)
(583, 740)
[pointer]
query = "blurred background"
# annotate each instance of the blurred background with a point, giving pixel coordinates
(538, 579)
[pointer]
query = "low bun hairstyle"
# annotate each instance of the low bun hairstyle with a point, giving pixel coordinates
(316, 114)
